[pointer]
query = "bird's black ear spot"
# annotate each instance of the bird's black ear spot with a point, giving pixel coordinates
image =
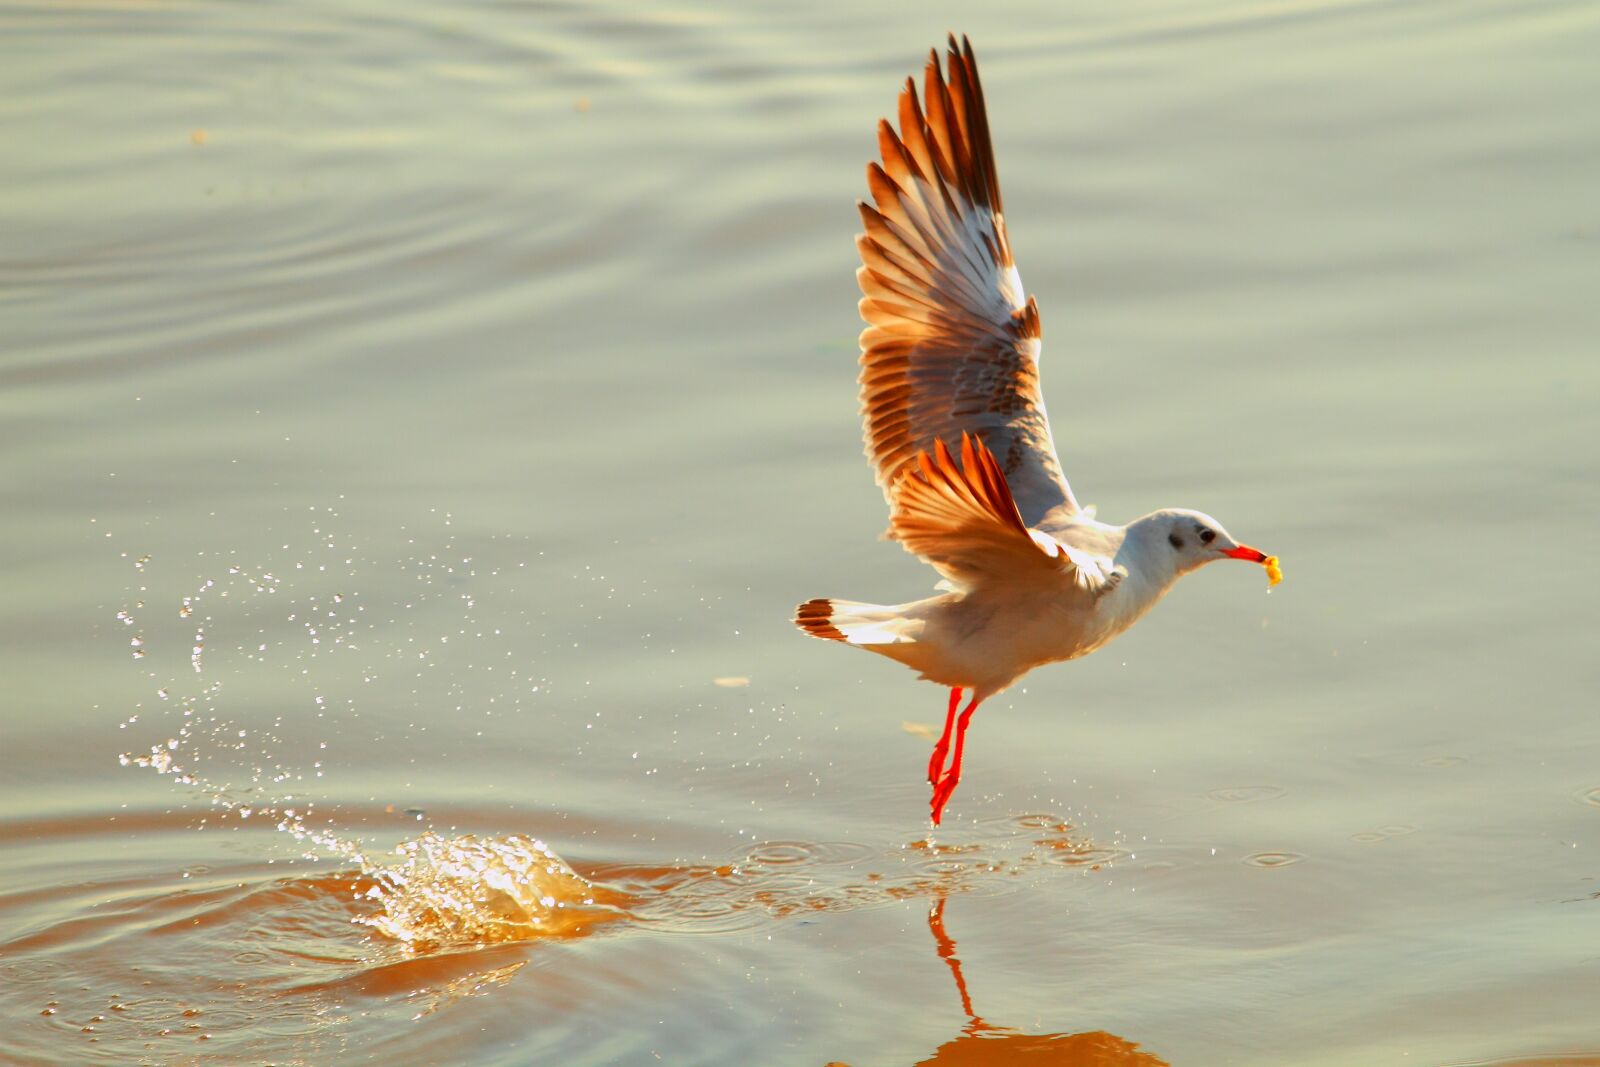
(1174, 540)
(1208, 536)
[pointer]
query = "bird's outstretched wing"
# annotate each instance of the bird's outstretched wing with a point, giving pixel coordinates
(952, 343)
(962, 520)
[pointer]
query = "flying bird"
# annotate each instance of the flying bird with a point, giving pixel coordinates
(956, 431)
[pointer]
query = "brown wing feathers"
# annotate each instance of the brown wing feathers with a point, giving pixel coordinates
(935, 498)
(951, 342)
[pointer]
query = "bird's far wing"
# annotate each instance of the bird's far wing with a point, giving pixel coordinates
(962, 520)
(952, 344)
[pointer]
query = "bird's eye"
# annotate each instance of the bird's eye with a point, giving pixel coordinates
(1174, 540)
(1208, 536)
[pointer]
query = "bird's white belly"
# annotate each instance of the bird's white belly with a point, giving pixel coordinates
(987, 643)
(987, 640)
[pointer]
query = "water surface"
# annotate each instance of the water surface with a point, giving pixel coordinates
(497, 363)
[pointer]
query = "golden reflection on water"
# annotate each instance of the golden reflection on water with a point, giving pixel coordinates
(985, 1043)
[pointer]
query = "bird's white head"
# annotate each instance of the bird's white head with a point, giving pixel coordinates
(1185, 540)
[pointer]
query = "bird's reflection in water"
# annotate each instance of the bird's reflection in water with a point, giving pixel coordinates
(983, 1043)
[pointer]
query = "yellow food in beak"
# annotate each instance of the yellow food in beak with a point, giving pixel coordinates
(1274, 572)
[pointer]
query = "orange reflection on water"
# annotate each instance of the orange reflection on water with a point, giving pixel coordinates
(984, 1043)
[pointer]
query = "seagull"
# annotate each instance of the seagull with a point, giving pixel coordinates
(956, 431)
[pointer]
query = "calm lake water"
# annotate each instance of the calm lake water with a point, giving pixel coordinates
(454, 402)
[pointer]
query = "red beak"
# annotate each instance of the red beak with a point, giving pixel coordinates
(1246, 553)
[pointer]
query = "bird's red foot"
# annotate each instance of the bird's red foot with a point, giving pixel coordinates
(940, 750)
(942, 792)
(947, 782)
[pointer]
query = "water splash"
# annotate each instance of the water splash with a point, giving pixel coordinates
(471, 890)
(281, 620)
(442, 891)
(292, 821)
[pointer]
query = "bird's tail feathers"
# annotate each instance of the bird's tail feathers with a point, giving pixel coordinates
(853, 622)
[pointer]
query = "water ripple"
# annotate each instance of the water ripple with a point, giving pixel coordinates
(1273, 859)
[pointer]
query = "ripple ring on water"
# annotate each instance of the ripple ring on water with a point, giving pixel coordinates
(1084, 857)
(941, 867)
(713, 916)
(785, 853)
(1274, 859)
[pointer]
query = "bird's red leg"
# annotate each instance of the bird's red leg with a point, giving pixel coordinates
(952, 777)
(936, 763)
